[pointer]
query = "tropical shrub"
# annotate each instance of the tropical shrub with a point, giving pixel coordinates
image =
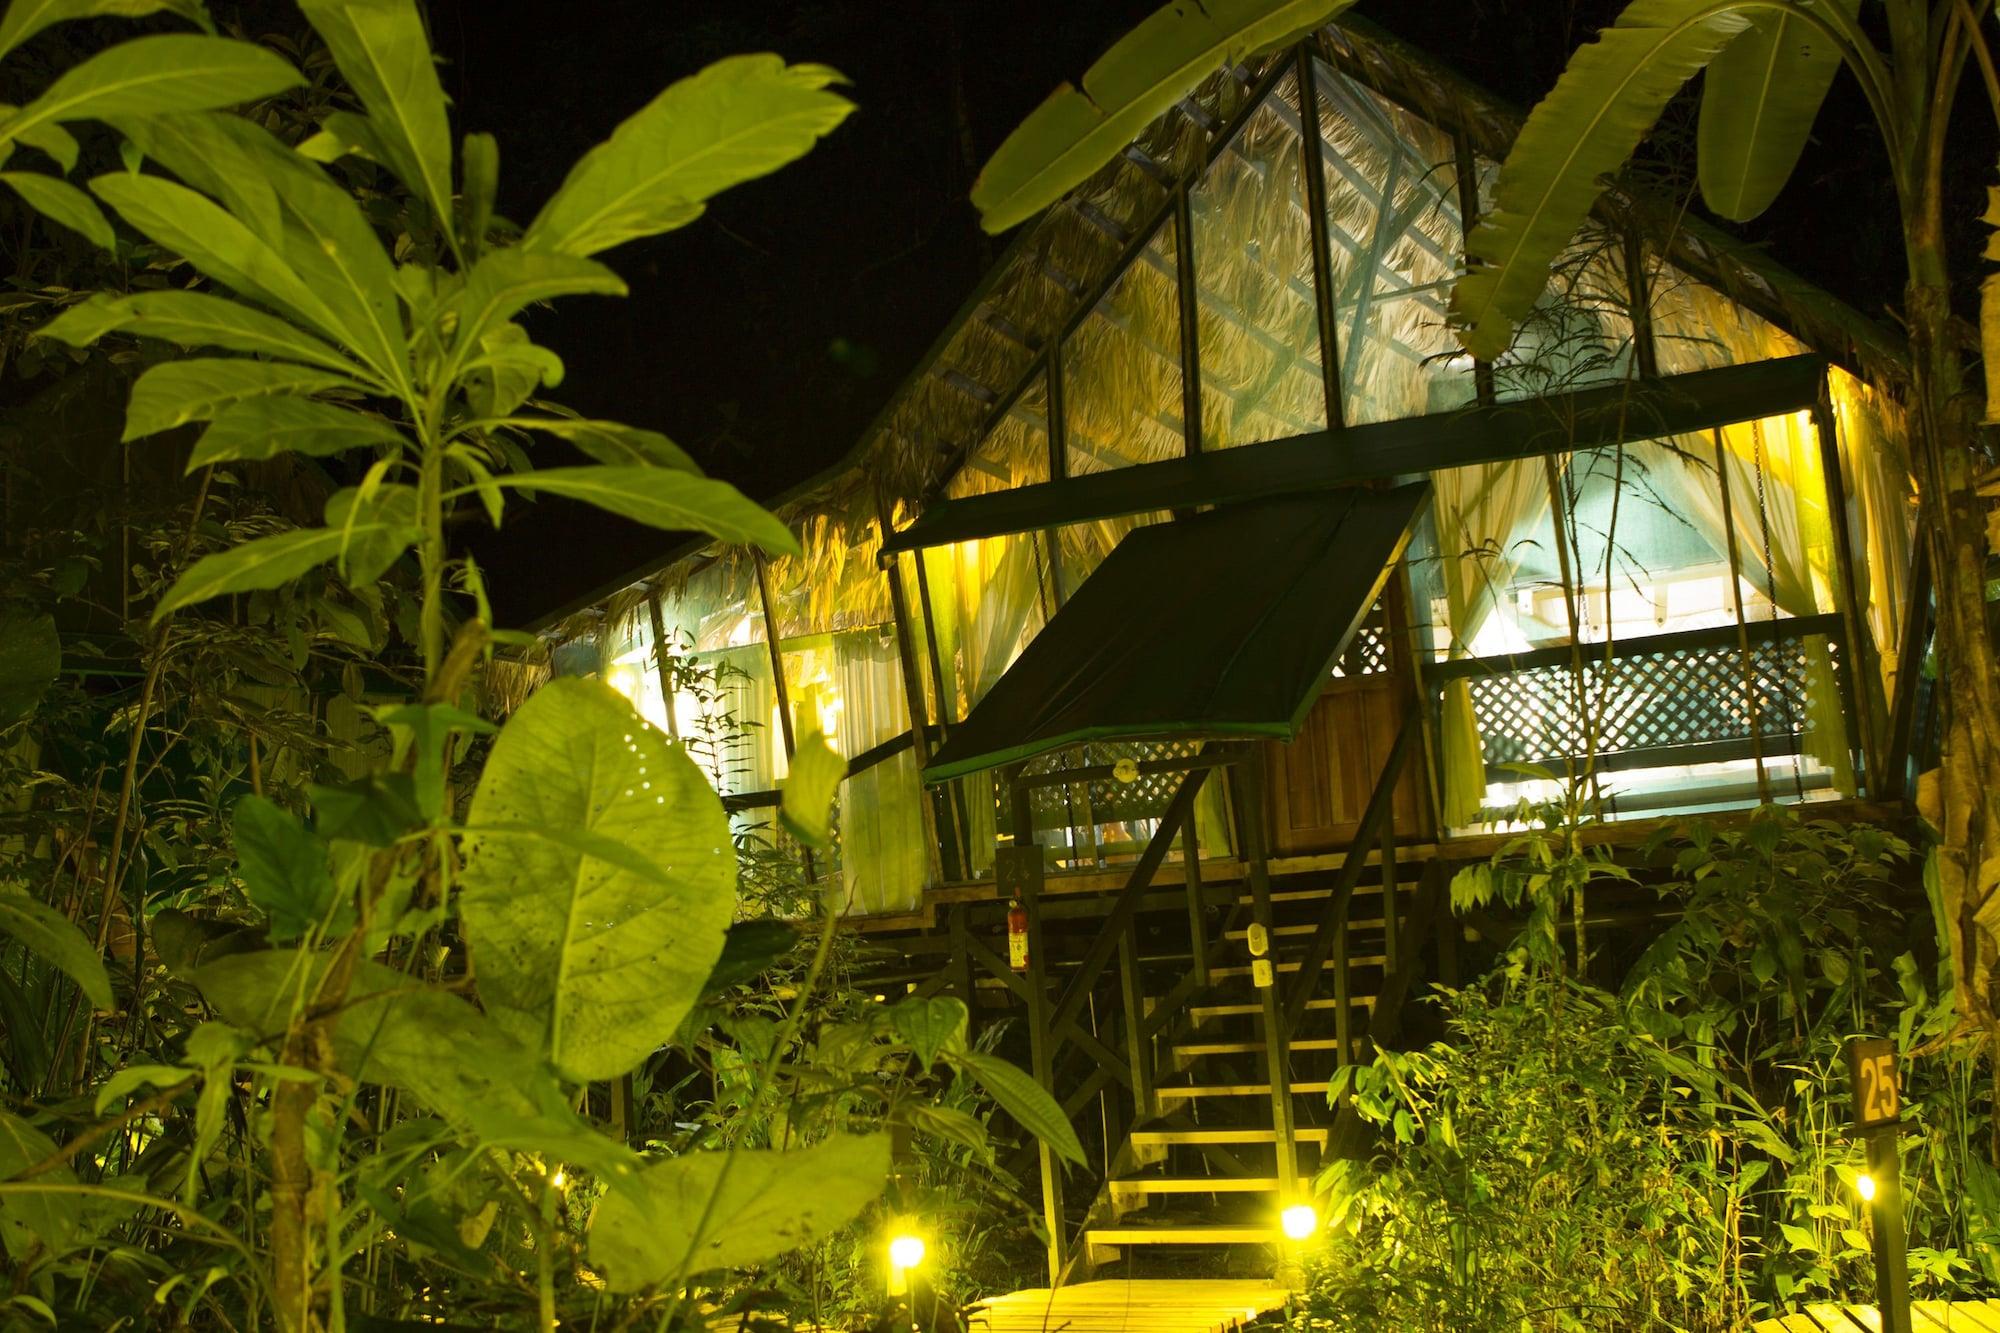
(365, 1091)
(1673, 1152)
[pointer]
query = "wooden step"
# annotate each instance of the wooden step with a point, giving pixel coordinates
(1203, 1012)
(1194, 1050)
(1237, 1089)
(1168, 1138)
(1282, 896)
(1203, 1185)
(1307, 928)
(1293, 965)
(1221, 1234)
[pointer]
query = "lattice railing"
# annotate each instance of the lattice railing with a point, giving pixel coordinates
(1663, 699)
(1367, 652)
(1102, 800)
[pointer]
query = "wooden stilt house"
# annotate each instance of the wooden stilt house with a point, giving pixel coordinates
(1198, 592)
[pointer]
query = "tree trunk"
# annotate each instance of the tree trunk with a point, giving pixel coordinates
(1968, 796)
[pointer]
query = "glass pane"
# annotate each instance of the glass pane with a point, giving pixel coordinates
(1259, 337)
(1696, 327)
(1648, 548)
(1122, 369)
(1393, 220)
(1084, 545)
(1580, 332)
(1014, 453)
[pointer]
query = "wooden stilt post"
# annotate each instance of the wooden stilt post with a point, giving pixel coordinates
(1018, 870)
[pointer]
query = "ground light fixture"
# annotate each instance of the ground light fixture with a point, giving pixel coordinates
(906, 1250)
(906, 1253)
(1299, 1221)
(1864, 1185)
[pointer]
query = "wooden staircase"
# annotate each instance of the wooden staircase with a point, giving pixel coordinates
(1200, 1180)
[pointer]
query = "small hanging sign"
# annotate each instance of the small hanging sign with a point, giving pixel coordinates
(1878, 1086)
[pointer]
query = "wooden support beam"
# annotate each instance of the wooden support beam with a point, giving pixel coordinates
(661, 656)
(1018, 871)
(1132, 1003)
(1909, 665)
(1276, 1027)
(1379, 451)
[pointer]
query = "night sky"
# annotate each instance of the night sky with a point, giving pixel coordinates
(767, 335)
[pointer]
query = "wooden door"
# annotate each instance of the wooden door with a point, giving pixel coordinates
(1319, 784)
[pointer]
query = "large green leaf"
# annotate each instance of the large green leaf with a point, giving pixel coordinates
(379, 525)
(51, 138)
(268, 562)
(397, 1031)
(613, 443)
(381, 48)
(31, 1222)
(1073, 133)
(266, 427)
(215, 242)
(738, 119)
(315, 226)
(929, 1023)
(661, 498)
(174, 393)
(152, 76)
(30, 657)
(1758, 103)
(62, 203)
(54, 938)
(25, 18)
(590, 962)
(194, 319)
(806, 793)
(480, 166)
(283, 866)
(1606, 100)
(1026, 1100)
(505, 281)
(758, 1204)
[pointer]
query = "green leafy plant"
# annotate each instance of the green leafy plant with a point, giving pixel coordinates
(403, 1082)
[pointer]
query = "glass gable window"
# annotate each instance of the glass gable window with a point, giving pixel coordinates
(1121, 369)
(1259, 327)
(1393, 221)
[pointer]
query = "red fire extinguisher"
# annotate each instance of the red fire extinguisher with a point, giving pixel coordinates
(1017, 935)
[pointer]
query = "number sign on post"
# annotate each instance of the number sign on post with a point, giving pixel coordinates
(1878, 1089)
(1878, 1116)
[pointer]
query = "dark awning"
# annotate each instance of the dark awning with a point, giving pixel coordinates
(1223, 624)
(1323, 460)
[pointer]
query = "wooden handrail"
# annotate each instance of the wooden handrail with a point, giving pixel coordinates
(1179, 810)
(1830, 624)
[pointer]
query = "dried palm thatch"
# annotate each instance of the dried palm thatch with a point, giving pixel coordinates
(1097, 278)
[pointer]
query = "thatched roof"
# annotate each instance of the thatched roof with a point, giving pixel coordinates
(978, 395)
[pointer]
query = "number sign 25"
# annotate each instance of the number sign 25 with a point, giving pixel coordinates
(1878, 1091)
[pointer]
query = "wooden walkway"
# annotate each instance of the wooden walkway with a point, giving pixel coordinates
(1925, 1317)
(1114, 1306)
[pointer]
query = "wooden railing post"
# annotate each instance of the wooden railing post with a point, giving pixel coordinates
(1196, 906)
(1138, 1048)
(1018, 870)
(1277, 1046)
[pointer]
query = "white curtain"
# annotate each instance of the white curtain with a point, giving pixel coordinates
(987, 603)
(1783, 532)
(1482, 514)
(883, 843)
